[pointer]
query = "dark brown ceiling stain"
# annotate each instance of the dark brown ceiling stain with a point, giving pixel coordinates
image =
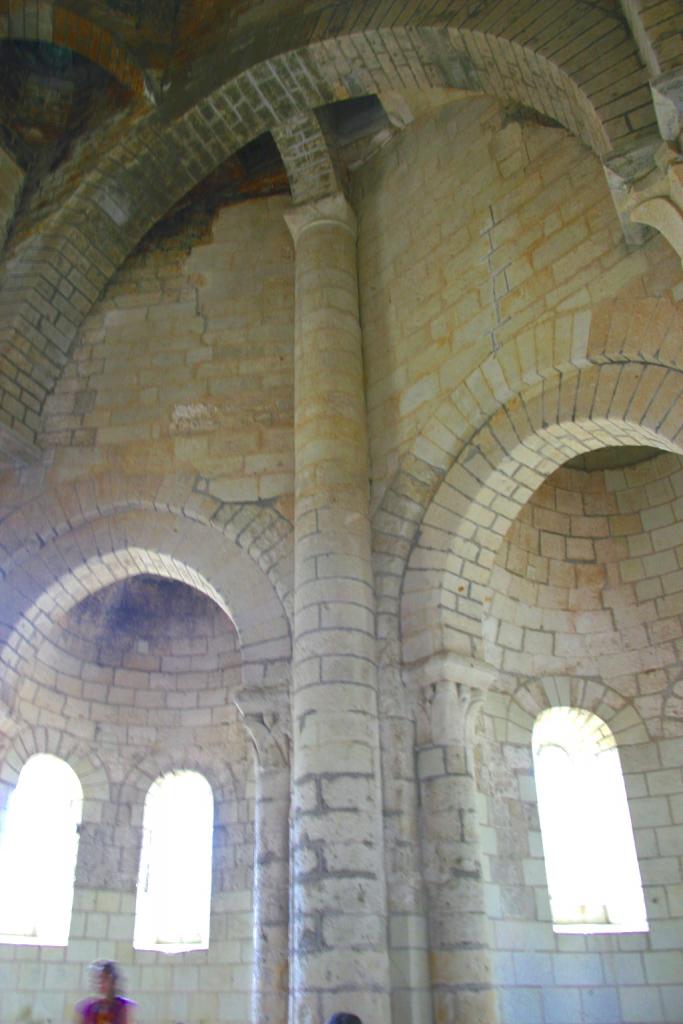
(49, 96)
(254, 171)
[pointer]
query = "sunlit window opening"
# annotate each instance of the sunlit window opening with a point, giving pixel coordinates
(38, 850)
(590, 856)
(174, 884)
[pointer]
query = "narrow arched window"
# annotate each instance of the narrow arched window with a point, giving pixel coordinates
(38, 850)
(174, 883)
(590, 855)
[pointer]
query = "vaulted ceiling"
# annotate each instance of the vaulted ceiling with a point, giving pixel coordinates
(113, 113)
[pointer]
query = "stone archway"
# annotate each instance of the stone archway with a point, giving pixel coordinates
(121, 197)
(41, 740)
(644, 333)
(76, 542)
(54, 574)
(445, 594)
(497, 471)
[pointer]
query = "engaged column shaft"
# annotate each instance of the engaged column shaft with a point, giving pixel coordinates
(339, 898)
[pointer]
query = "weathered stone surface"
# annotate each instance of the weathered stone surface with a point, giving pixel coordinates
(386, 493)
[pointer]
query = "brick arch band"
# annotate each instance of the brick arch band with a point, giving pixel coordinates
(37, 739)
(53, 278)
(445, 587)
(516, 712)
(637, 333)
(254, 527)
(49, 578)
(218, 773)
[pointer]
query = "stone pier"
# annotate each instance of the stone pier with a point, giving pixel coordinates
(339, 898)
(458, 929)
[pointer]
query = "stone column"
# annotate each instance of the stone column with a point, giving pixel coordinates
(339, 942)
(411, 992)
(270, 980)
(458, 926)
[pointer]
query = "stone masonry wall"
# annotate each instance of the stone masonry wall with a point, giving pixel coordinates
(477, 228)
(481, 232)
(589, 584)
(11, 181)
(136, 681)
(586, 611)
(547, 977)
(184, 369)
(186, 364)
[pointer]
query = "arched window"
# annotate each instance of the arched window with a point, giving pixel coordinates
(590, 855)
(38, 849)
(174, 883)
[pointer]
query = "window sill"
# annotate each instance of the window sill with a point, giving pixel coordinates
(600, 929)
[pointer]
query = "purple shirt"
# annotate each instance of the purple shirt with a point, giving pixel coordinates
(103, 1011)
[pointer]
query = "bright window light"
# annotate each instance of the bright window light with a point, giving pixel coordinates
(38, 849)
(590, 855)
(174, 884)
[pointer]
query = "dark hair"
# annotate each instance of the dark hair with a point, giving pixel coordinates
(344, 1018)
(110, 970)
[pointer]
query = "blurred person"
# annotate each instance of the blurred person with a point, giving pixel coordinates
(108, 1006)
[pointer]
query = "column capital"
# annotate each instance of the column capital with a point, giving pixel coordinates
(335, 209)
(266, 717)
(447, 714)
(449, 689)
(625, 171)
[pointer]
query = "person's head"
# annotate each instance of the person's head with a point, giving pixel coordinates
(344, 1018)
(106, 978)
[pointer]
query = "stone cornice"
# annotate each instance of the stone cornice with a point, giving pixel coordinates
(449, 667)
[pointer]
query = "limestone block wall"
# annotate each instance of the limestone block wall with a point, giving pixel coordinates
(588, 584)
(186, 364)
(542, 976)
(478, 229)
(586, 611)
(185, 369)
(135, 681)
(481, 233)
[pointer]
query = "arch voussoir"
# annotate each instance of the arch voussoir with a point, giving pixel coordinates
(55, 277)
(488, 484)
(93, 543)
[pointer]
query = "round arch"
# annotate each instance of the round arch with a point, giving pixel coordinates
(178, 147)
(640, 332)
(219, 775)
(254, 527)
(85, 761)
(445, 584)
(80, 561)
(517, 711)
